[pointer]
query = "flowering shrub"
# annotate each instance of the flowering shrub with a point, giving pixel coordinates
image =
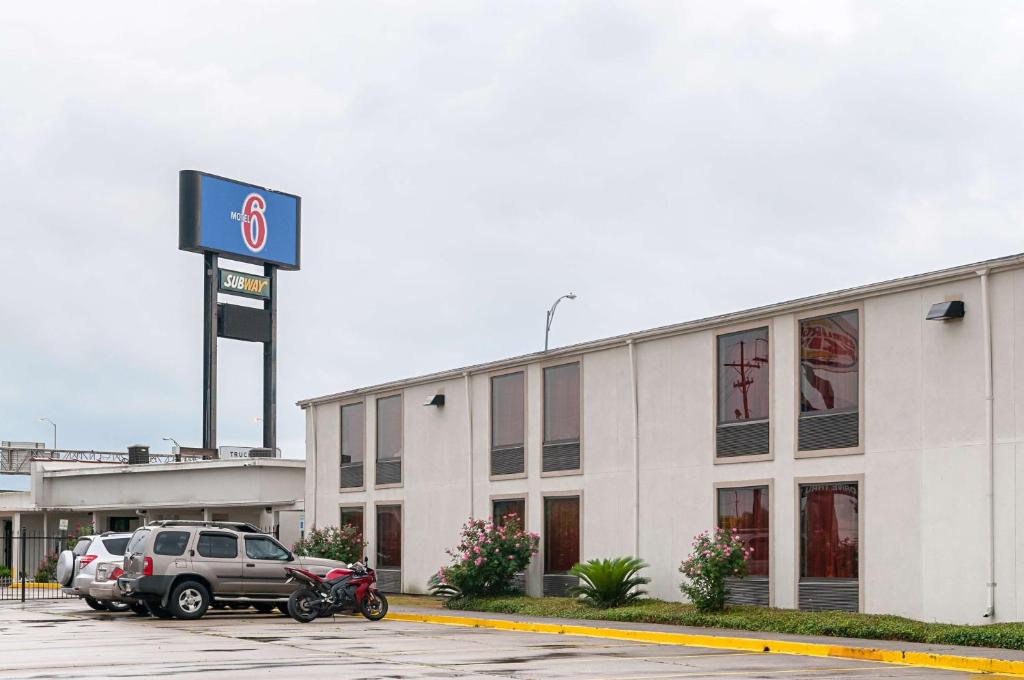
(47, 568)
(344, 545)
(487, 559)
(716, 556)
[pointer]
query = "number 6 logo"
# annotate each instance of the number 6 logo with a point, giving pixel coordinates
(254, 223)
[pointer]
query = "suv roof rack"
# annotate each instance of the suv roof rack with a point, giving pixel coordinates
(243, 527)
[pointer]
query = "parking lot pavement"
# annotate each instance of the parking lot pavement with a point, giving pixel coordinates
(52, 639)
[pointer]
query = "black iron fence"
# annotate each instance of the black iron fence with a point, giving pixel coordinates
(31, 572)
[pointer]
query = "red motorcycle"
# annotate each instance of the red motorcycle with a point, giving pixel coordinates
(340, 590)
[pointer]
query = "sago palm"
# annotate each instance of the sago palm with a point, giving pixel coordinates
(610, 583)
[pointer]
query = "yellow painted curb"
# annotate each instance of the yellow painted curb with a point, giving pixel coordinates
(31, 584)
(949, 662)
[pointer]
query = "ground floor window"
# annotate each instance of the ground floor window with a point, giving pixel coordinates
(746, 510)
(389, 537)
(509, 506)
(352, 516)
(829, 545)
(120, 524)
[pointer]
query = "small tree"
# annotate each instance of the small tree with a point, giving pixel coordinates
(716, 556)
(344, 545)
(487, 559)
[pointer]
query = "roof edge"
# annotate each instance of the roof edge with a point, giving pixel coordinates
(797, 304)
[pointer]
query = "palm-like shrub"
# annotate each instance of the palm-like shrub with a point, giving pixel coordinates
(610, 583)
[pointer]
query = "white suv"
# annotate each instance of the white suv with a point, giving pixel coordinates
(76, 568)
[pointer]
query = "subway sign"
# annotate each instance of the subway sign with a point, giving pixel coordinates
(237, 220)
(240, 283)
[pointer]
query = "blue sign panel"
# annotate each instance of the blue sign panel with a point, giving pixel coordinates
(240, 221)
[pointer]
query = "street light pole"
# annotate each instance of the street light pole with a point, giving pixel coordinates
(551, 316)
(47, 420)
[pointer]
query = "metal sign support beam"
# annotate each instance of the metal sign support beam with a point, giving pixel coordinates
(210, 351)
(270, 365)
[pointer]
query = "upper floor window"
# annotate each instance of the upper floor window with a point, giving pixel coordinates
(562, 403)
(829, 363)
(743, 376)
(561, 418)
(353, 424)
(508, 424)
(389, 428)
(829, 382)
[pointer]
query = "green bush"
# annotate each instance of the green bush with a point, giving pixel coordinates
(344, 545)
(715, 557)
(609, 583)
(5, 572)
(487, 559)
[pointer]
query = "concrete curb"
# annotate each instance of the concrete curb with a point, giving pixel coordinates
(948, 662)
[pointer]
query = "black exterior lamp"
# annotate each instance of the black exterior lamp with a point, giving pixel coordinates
(946, 311)
(436, 400)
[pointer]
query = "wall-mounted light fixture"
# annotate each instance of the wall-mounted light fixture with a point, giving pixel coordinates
(946, 311)
(436, 400)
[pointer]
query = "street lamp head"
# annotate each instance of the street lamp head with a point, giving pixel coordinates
(571, 296)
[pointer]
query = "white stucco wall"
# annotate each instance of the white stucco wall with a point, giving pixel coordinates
(923, 550)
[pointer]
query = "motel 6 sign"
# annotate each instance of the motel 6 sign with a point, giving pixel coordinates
(237, 220)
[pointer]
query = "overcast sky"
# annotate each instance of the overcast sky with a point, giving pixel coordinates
(461, 165)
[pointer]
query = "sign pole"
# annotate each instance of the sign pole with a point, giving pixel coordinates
(270, 365)
(210, 351)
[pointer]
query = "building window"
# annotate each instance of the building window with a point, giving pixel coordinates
(829, 546)
(510, 506)
(352, 517)
(508, 424)
(353, 454)
(389, 547)
(561, 418)
(561, 543)
(829, 382)
(743, 393)
(746, 510)
(389, 440)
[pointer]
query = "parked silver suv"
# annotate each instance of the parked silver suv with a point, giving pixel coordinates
(180, 568)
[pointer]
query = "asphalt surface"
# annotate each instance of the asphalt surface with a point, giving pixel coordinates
(64, 638)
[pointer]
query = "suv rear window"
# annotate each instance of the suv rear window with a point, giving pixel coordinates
(136, 541)
(217, 545)
(170, 543)
(115, 546)
(82, 546)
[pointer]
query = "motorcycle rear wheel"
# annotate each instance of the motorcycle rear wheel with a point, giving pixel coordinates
(374, 606)
(304, 605)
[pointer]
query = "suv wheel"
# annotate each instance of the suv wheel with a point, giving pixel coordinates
(159, 611)
(95, 604)
(189, 600)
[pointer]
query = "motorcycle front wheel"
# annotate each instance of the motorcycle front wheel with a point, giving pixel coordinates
(304, 605)
(374, 606)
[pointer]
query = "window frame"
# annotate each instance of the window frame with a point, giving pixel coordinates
(188, 541)
(541, 551)
(510, 497)
(526, 420)
(728, 330)
(552, 363)
(199, 537)
(861, 410)
(857, 479)
(749, 484)
(376, 439)
(362, 487)
(361, 507)
(264, 537)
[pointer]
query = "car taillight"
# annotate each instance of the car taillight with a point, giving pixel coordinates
(147, 567)
(118, 571)
(86, 559)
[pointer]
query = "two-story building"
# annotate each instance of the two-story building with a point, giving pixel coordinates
(864, 442)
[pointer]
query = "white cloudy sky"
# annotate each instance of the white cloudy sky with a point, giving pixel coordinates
(461, 165)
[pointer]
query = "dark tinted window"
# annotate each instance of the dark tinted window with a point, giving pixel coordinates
(170, 543)
(263, 548)
(115, 546)
(743, 376)
(82, 546)
(389, 428)
(508, 411)
(561, 534)
(218, 545)
(137, 540)
(562, 403)
(353, 422)
(510, 507)
(829, 363)
(389, 537)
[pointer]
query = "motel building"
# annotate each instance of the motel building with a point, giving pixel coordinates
(864, 442)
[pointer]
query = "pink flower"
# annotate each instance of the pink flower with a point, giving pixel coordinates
(465, 555)
(478, 561)
(476, 549)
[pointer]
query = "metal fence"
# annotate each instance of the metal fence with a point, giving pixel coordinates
(33, 578)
